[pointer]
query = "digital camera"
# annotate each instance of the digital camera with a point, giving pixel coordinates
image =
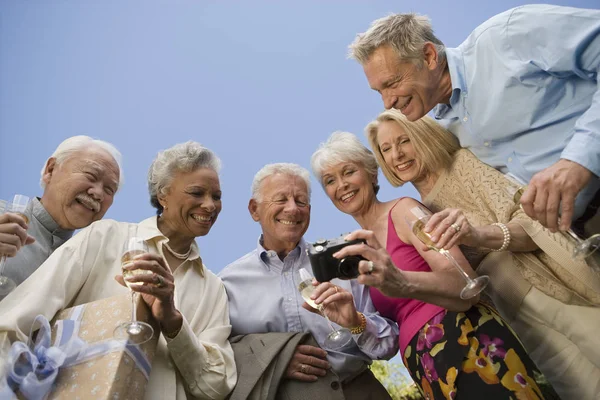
(326, 267)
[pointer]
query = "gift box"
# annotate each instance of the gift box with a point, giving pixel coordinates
(92, 363)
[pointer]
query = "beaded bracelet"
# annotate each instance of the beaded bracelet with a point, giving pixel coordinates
(506, 234)
(363, 324)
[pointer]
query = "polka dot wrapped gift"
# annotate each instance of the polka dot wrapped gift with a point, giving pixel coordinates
(80, 359)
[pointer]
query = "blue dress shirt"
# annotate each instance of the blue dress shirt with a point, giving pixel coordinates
(525, 92)
(264, 297)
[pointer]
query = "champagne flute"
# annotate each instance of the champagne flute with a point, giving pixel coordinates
(18, 206)
(135, 331)
(583, 248)
(417, 224)
(338, 338)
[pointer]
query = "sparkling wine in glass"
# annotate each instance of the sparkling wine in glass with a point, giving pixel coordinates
(583, 248)
(135, 331)
(417, 225)
(338, 338)
(18, 206)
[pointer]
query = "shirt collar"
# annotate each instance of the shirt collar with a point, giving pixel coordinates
(265, 255)
(39, 212)
(148, 230)
(456, 67)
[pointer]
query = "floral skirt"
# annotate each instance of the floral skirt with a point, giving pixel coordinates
(470, 355)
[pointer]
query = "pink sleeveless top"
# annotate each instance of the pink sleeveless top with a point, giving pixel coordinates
(410, 314)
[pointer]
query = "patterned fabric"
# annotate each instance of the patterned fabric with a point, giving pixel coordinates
(480, 191)
(473, 354)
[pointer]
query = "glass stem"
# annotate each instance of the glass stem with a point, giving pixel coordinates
(2, 264)
(133, 308)
(449, 257)
(574, 236)
(322, 311)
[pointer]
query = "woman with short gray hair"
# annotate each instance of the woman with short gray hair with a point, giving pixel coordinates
(184, 157)
(441, 335)
(193, 358)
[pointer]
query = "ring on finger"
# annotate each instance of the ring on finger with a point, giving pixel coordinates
(303, 368)
(336, 289)
(161, 281)
(456, 227)
(371, 267)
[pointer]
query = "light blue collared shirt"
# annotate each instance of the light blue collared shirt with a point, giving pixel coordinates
(526, 92)
(264, 297)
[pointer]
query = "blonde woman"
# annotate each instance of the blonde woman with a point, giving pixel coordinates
(453, 348)
(549, 299)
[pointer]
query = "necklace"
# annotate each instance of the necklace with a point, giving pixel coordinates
(181, 256)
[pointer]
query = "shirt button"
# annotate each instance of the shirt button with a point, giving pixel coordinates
(335, 385)
(289, 299)
(486, 144)
(465, 119)
(509, 159)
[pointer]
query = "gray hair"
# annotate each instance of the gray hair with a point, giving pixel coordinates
(183, 157)
(405, 33)
(279, 168)
(72, 145)
(343, 147)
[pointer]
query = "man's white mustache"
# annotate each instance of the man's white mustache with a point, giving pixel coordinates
(89, 201)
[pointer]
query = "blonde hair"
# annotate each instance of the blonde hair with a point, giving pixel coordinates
(434, 146)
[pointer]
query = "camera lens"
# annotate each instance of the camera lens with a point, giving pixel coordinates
(348, 267)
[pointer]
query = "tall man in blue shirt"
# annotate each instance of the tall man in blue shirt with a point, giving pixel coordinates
(521, 92)
(262, 287)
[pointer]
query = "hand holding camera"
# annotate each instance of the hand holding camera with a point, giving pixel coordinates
(327, 267)
(375, 267)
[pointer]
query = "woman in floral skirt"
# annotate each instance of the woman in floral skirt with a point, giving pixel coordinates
(453, 348)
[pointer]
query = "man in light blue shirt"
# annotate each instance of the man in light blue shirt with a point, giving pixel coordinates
(521, 92)
(262, 287)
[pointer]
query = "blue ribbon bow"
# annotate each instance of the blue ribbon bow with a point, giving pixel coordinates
(33, 368)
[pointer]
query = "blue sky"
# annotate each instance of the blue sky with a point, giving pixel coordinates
(255, 81)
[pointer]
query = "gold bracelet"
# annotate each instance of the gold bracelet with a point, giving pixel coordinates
(361, 328)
